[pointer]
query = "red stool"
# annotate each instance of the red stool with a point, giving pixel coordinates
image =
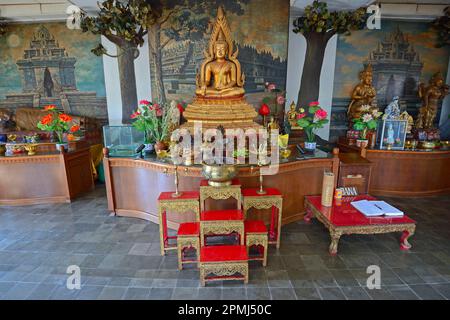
(256, 235)
(188, 237)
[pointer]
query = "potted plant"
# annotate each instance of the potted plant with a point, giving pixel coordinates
(309, 120)
(365, 122)
(58, 123)
(154, 120)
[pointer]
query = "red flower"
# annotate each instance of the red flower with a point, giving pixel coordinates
(264, 110)
(135, 115)
(47, 119)
(65, 117)
(50, 107)
(74, 128)
(159, 112)
(314, 104)
(301, 115)
(321, 114)
(146, 102)
(180, 108)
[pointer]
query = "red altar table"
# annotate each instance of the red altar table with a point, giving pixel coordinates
(342, 218)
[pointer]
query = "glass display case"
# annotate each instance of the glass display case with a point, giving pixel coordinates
(122, 140)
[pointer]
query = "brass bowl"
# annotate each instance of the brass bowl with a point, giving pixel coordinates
(219, 175)
(285, 153)
(31, 148)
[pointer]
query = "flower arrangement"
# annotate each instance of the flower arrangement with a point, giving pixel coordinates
(57, 122)
(366, 121)
(311, 119)
(154, 120)
(274, 102)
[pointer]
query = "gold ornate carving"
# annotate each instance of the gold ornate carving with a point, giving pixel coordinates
(184, 242)
(220, 193)
(227, 269)
(221, 228)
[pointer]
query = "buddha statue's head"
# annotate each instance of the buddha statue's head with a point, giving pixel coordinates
(437, 79)
(220, 47)
(366, 75)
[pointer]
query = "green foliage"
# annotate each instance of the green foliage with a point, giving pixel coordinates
(124, 23)
(442, 26)
(318, 19)
(153, 120)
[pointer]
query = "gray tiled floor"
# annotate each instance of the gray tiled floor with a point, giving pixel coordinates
(119, 258)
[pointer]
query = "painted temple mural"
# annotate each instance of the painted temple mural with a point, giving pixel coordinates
(402, 55)
(44, 64)
(176, 48)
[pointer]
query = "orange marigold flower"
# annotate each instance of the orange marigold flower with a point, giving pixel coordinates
(50, 107)
(64, 117)
(47, 119)
(74, 128)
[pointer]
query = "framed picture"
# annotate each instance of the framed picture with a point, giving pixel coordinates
(393, 134)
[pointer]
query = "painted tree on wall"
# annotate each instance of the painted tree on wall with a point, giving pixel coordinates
(318, 25)
(180, 20)
(442, 26)
(124, 23)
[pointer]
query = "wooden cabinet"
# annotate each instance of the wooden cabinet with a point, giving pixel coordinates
(354, 171)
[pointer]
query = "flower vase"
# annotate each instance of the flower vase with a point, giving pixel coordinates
(149, 148)
(310, 146)
(362, 143)
(159, 146)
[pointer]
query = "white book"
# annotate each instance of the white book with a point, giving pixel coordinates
(376, 208)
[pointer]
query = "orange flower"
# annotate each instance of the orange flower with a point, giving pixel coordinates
(70, 137)
(50, 107)
(64, 117)
(74, 128)
(47, 119)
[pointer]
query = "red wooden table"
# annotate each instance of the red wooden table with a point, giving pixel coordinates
(342, 218)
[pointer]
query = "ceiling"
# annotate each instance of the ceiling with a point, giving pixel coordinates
(31, 10)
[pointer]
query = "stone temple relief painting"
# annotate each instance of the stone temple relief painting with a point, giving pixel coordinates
(44, 64)
(259, 29)
(402, 55)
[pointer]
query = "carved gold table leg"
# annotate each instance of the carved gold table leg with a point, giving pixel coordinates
(180, 256)
(335, 236)
(404, 244)
(161, 231)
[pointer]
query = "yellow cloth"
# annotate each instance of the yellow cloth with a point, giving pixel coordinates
(96, 157)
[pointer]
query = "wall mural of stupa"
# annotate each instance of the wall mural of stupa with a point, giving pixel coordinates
(260, 33)
(39, 71)
(402, 55)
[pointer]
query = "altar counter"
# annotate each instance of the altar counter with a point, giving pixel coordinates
(133, 186)
(47, 177)
(405, 173)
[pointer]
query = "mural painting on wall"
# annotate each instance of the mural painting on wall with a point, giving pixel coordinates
(178, 40)
(44, 64)
(402, 55)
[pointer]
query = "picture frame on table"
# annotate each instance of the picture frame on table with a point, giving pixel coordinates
(392, 134)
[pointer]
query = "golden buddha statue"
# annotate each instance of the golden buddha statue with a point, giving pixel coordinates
(363, 94)
(431, 95)
(220, 85)
(406, 116)
(273, 124)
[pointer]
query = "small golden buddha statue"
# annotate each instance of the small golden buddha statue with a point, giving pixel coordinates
(291, 115)
(405, 116)
(363, 94)
(431, 95)
(220, 74)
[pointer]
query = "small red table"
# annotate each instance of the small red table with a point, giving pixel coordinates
(224, 262)
(221, 222)
(187, 202)
(272, 199)
(343, 218)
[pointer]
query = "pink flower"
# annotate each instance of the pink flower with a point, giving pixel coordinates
(159, 112)
(135, 115)
(281, 100)
(271, 87)
(301, 115)
(321, 114)
(145, 102)
(314, 104)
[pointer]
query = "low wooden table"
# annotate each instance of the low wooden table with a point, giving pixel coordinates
(224, 262)
(345, 219)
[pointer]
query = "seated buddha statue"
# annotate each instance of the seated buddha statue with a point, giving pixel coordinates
(363, 94)
(220, 74)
